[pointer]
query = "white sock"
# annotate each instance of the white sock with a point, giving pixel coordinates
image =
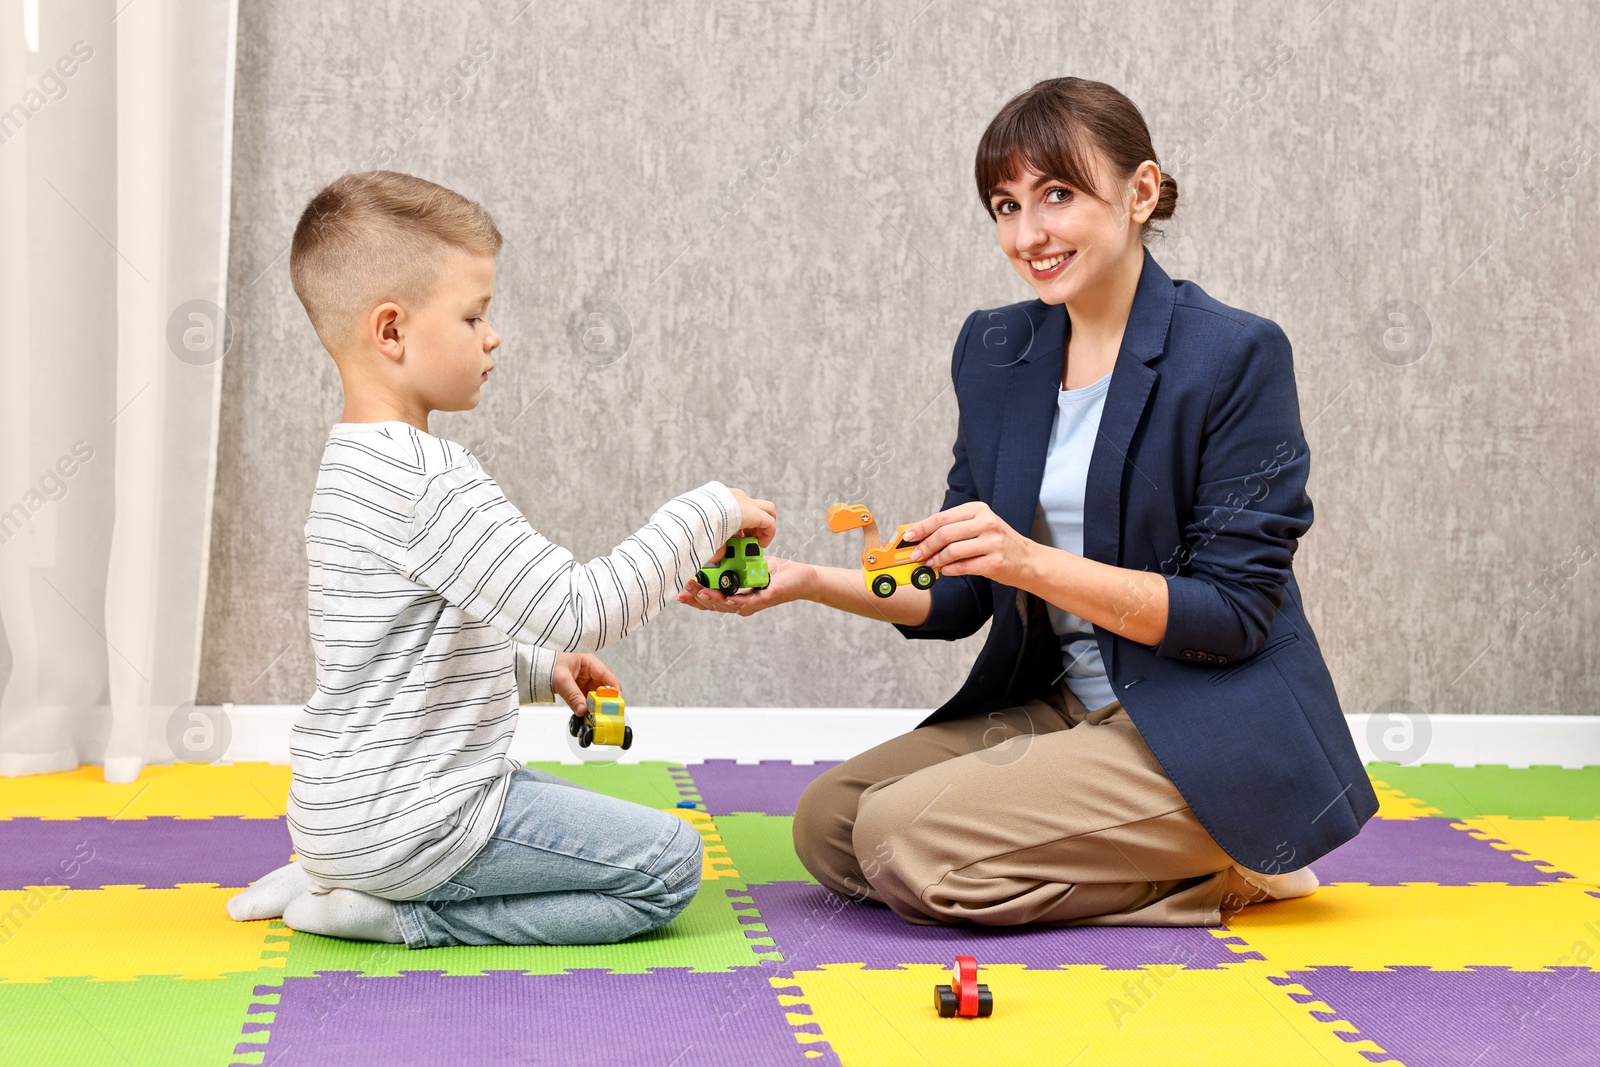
(1285, 886)
(344, 913)
(270, 894)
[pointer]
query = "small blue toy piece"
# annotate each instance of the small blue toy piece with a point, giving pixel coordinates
(688, 803)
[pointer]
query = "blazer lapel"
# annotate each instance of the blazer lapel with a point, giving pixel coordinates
(1143, 339)
(1029, 416)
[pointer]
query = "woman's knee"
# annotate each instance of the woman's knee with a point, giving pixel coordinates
(883, 841)
(823, 818)
(902, 855)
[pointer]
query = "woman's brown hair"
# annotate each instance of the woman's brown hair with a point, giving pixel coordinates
(1055, 126)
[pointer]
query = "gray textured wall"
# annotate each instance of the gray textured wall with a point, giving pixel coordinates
(777, 216)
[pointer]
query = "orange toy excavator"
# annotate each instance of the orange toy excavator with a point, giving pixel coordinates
(883, 565)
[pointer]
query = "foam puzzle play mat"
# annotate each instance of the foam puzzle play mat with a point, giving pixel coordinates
(1462, 927)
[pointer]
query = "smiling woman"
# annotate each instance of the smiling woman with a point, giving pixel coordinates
(1110, 508)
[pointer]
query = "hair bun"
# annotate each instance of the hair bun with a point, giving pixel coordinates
(1167, 198)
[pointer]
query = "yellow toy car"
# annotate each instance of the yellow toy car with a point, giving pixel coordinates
(605, 722)
(885, 565)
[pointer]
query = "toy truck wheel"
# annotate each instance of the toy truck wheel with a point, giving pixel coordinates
(923, 577)
(586, 735)
(883, 585)
(573, 723)
(728, 582)
(703, 578)
(944, 998)
(627, 738)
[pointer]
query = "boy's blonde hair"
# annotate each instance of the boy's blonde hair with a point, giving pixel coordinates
(375, 236)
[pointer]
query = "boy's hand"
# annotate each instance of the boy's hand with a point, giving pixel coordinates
(576, 673)
(757, 518)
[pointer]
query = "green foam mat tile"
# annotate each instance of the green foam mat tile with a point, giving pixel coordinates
(707, 936)
(1495, 791)
(653, 783)
(160, 1022)
(762, 848)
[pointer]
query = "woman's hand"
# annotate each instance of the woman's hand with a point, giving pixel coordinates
(971, 539)
(576, 673)
(788, 581)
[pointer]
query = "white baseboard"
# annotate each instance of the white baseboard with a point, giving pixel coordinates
(805, 735)
(1464, 740)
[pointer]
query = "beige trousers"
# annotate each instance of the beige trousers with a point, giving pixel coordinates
(1044, 813)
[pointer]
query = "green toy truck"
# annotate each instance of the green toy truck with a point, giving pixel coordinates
(742, 566)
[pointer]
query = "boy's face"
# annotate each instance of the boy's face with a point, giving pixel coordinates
(450, 337)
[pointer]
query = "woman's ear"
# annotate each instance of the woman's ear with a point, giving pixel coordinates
(1145, 191)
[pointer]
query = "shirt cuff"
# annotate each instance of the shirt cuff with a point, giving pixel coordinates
(731, 515)
(535, 666)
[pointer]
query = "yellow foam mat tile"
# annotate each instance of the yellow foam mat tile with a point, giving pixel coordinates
(714, 859)
(1446, 928)
(1570, 845)
(1083, 1016)
(1393, 804)
(183, 790)
(122, 933)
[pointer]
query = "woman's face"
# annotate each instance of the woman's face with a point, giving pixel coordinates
(1066, 242)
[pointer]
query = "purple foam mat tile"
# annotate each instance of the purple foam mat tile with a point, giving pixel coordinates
(771, 787)
(508, 1018)
(1396, 851)
(811, 926)
(158, 852)
(1484, 1015)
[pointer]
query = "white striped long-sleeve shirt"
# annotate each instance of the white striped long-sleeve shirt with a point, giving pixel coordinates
(435, 611)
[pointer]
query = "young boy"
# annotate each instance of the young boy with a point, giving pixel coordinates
(436, 610)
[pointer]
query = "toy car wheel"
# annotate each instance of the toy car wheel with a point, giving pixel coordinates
(923, 577)
(985, 1001)
(944, 998)
(703, 578)
(627, 738)
(728, 582)
(586, 735)
(883, 585)
(573, 723)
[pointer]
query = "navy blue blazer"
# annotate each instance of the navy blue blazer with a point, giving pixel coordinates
(1199, 470)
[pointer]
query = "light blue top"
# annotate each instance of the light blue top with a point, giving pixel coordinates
(1059, 523)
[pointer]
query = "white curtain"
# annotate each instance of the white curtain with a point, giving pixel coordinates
(115, 145)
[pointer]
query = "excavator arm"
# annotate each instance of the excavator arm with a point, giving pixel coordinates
(845, 517)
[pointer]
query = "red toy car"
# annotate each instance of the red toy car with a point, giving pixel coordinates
(963, 996)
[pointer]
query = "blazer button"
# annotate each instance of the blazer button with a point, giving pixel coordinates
(1222, 659)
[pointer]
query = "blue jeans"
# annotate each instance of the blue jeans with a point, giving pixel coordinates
(564, 866)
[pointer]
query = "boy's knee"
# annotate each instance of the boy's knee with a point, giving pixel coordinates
(681, 861)
(677, 873)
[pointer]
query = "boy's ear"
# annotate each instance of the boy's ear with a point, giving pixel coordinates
(384, 329)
